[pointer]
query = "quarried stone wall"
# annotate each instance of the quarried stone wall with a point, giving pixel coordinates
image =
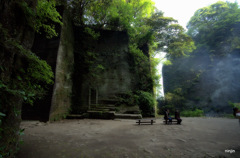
(61, 99)
(109, 74)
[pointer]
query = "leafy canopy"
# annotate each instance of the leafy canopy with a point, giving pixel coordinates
(214, 27)
(42, 19)
(169, 36)
(139, 18)
(146, 27)
(46, 11)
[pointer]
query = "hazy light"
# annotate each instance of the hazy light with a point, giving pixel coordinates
(161, 56)
(183, 10)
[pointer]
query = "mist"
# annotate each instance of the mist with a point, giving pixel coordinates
(208, 82)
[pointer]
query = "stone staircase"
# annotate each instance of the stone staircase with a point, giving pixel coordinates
(106, 109)
(102, 111)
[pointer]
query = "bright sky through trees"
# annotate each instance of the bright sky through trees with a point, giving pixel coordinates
(183, 10)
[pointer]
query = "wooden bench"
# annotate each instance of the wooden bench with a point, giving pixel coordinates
(146, 120)
(167, 121)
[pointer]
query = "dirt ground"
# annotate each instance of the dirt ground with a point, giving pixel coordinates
(89, 138)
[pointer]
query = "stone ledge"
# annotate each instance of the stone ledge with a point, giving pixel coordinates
(75, 116)
(128, 116)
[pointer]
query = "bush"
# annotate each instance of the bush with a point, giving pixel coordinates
(191, 113)
(128, 99)
(175, 99)
(144, 100)
(234, 105)
(146, 103)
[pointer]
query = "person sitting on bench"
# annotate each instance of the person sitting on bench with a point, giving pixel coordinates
(236, 113)
(167, 117)
(177, 117)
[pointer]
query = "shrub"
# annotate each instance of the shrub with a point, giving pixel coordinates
(234, 105)
(143, 99)
(128, 99)
(146, 103)
(192, 113)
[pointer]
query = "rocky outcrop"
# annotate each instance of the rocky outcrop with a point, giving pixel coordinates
(110, 72)
(207, 82)
(61, 99)
(13, 25)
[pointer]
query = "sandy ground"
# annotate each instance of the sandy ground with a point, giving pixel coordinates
(89, 138)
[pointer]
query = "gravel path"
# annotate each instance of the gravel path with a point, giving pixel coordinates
(89, 138)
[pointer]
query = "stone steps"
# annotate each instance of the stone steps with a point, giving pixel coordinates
(103, 107)
(128, 116)
(106, 111)
(75, 116)
(101, 114)
(107, 101)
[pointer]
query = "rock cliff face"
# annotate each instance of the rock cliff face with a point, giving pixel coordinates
(53, 51)
(13, 25)
(207, 82)
(45, 49)
(112, 68)
(87, 71)
(61, 99)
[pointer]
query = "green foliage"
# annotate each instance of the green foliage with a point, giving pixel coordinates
(7, 151)
(214, 27)
(91, 32)
(111, 14)
(185, 78)
(39, 20)
(94, 67)
(229, 116)
(27, 78)
(146, 103)
(140, 58)
(169, 36)
(31, 78)
(46, 11)
(138, 18)
(167, 62)
(142, 67)
(215, 31)
(234, 105)
(144, 100)
(129, 99)
(148, 31)
(192, 113)
(179, 43)
(176, 99)
(172, 101)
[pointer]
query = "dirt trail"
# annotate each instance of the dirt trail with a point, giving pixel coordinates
(196, 137)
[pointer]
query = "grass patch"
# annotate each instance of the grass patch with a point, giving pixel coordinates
(229, 116)
(192, 113)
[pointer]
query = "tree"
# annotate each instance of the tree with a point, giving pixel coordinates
(139, 18)
(45, 12)
(23, 76)
(169, 36)
(110, 14)
(148, 30)
(214, 27)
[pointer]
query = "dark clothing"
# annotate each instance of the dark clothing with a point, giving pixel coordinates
(167, 117)
(177, 116)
